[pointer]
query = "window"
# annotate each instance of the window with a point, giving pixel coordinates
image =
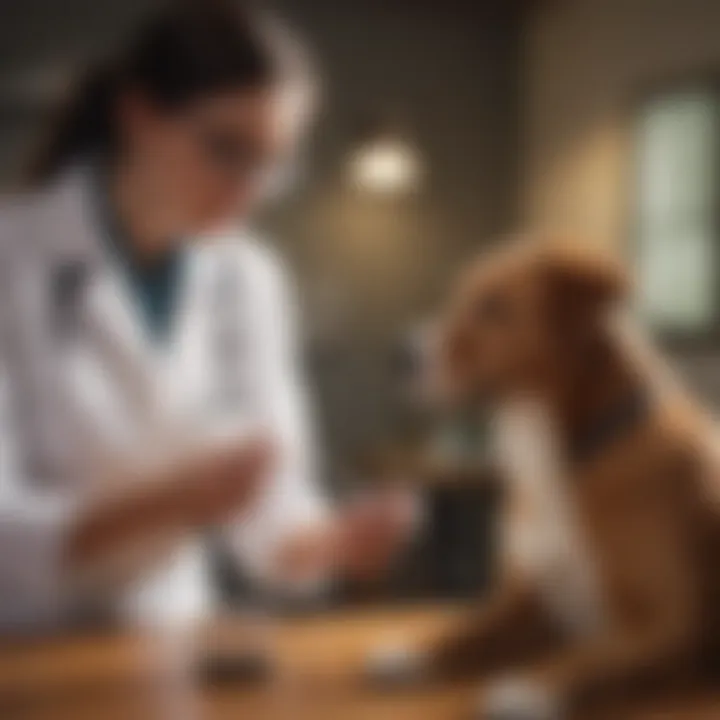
(677, 230)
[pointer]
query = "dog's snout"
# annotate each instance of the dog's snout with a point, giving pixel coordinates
(456, 345)
(407, 359)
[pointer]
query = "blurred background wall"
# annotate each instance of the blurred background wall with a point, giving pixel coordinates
(588, 66)
(443, 76)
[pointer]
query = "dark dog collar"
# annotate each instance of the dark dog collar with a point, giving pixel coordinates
(619, 421)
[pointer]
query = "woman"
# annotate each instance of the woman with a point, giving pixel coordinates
(146, 338)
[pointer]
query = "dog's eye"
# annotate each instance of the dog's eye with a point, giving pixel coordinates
(492, 308)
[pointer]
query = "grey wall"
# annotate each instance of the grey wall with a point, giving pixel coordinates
(449, 71)
(365, 265)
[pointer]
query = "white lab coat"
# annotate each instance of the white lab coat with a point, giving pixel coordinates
(83, 389)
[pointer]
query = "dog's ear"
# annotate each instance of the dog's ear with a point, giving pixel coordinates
(584, 283)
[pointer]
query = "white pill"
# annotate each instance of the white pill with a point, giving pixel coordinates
(396, 664)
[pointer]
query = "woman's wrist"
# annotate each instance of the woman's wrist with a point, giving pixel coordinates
(309, 554)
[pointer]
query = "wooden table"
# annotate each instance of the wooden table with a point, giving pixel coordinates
(134, 677)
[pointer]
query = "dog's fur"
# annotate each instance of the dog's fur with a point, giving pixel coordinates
(611, 564)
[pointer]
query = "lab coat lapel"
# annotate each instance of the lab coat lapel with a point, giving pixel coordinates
(113, 327)
(185, 366)
(125, 361)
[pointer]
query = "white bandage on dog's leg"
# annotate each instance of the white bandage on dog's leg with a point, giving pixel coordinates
(518, 698)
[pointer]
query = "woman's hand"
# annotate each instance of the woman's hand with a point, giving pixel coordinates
(371, 530)
(203, 489)
(358, 542)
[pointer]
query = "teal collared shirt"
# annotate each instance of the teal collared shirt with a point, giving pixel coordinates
(156, 286)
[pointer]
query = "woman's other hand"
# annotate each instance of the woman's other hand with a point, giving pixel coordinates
(202, 489)
(359, 541)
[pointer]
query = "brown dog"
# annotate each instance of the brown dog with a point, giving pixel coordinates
(611, 532)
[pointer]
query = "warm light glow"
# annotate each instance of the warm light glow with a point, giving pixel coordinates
(386, 166)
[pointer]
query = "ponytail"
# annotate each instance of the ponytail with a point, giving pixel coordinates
(84, 126)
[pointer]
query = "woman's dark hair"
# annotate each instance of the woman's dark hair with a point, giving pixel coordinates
(188, 49)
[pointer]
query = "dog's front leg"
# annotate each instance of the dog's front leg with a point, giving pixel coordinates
(511, 627)
(653, 624)
(583, 674)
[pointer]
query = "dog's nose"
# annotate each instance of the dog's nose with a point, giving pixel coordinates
(414, 354)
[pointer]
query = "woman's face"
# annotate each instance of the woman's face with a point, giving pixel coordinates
(209, 162)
